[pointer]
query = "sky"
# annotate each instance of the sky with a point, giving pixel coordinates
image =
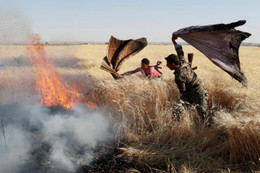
(97, 20)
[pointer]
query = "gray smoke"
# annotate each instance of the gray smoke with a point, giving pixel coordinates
(14, 153)
(38, 136)
(14, 27)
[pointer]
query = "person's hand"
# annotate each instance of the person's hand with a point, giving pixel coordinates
(158, 62)
(174, 37)
(118, 75)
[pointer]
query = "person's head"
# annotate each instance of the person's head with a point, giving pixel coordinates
(145, 63)
(173, 62)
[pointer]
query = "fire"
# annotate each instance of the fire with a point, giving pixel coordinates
(49, 86)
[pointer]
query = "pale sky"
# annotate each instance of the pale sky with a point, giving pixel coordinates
(97, 20)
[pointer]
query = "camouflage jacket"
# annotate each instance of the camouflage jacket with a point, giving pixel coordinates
(187, 81)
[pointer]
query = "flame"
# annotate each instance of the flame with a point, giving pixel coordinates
(90, 104)
(49, 86)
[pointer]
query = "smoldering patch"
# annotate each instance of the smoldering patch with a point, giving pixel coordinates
(40, 138)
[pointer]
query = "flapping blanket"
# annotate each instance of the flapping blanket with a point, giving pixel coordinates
(220, 43)
(119, 51)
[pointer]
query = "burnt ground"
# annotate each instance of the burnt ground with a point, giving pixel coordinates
(106, 156)
(106, 161)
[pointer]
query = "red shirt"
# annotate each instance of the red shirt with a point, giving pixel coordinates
(150, 71)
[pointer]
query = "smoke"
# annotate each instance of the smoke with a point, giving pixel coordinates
(14, 27)
(50, 138)
(36, 138)
(16, 149)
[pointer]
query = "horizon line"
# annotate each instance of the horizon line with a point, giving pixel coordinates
(105, 43)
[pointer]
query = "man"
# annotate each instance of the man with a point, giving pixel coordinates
(190, 86)
(146, 69)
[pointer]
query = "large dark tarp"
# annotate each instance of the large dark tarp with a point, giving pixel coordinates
(220, 43)
(119, 51)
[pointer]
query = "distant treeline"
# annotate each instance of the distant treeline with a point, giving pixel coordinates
(102, 43)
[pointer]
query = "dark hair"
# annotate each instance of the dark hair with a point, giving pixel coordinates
(172, 58)
(145, 61)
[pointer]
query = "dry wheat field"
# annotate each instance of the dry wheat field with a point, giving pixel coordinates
(147, 139)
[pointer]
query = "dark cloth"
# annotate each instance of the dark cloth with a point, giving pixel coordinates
(220, 43)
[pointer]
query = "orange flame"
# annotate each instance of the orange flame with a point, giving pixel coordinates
(48, 85)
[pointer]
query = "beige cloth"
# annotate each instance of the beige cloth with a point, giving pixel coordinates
(119, 51)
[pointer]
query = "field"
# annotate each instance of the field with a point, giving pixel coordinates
(146, 137)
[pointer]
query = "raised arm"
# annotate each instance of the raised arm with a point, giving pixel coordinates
(178, 49)
(174, 37)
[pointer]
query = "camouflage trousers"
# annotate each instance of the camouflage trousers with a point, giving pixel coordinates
(199, 101)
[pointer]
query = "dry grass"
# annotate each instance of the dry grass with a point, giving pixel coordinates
(152, 138)
(141, 109)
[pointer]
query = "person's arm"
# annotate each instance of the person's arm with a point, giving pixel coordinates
(130, 72)
(174, 37)
(178, 47)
